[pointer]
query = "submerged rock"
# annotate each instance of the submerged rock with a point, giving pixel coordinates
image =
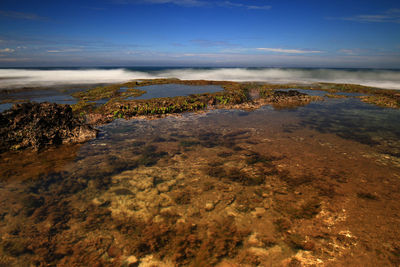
(39, 125)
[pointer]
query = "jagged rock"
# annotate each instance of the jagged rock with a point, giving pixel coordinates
(288, 93)
(39, 125)
(288, 96)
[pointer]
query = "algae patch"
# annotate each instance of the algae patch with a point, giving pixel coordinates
(119, 104)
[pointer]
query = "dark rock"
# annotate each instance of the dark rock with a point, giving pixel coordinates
(279, 96)
(14, 247)
(31, 203)
(288, 93)
(122, 192)
(39, 125)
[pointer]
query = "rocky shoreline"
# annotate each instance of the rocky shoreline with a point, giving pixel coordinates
(248, 96)
(40, 125)
(33, 125)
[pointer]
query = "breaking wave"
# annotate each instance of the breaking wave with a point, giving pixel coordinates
(16, 78)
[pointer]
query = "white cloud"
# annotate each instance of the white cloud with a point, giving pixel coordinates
(64, 50)
(211, 43)
(259, 7)
(254, 7)
(209, 55)
(347, 51)
(288, 51)
(6, 50)
(389, 16)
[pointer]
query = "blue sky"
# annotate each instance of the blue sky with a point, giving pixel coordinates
(253, 33)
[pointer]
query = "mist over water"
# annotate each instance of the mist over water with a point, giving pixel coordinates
(17, 78)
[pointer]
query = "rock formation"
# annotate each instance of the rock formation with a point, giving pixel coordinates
(39, 125)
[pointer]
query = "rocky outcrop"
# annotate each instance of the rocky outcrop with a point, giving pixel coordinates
(277, 95)
(291, 99)
(39, 125)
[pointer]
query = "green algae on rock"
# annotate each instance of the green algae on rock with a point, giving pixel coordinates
(110, 91)
(234, 95)
(387, 101)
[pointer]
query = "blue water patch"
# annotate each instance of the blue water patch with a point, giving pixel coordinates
(5, 106)
(350, 94)
(171, 90)
(52, 96)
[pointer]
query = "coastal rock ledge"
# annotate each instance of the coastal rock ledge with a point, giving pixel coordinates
(39, 125)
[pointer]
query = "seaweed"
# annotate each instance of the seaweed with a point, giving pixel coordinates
(118, 106)
(149, 156)
(223, 240)
(255, 157)
(109, 91)
(295, 241)
(308, 210)
(282, 225)
(185, 244)
(237, 175)
(122, 192)
(368, 196)
(234, 175)
(183, 197)
(217, 172)
(224, 154)
(386, 101)
(294, 182)
(188, 143)
(153, 237)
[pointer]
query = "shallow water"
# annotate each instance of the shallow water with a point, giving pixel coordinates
(171, 90)
(61, 95)
(266, 187)
(40, 96)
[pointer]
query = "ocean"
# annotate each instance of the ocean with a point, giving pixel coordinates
(27, 77)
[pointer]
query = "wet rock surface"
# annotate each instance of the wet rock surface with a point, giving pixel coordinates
(39, 125)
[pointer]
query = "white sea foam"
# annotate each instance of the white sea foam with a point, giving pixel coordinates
(13, 78)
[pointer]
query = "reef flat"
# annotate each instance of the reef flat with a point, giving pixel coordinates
(253, 175)
(234, 95)
(102, 104)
